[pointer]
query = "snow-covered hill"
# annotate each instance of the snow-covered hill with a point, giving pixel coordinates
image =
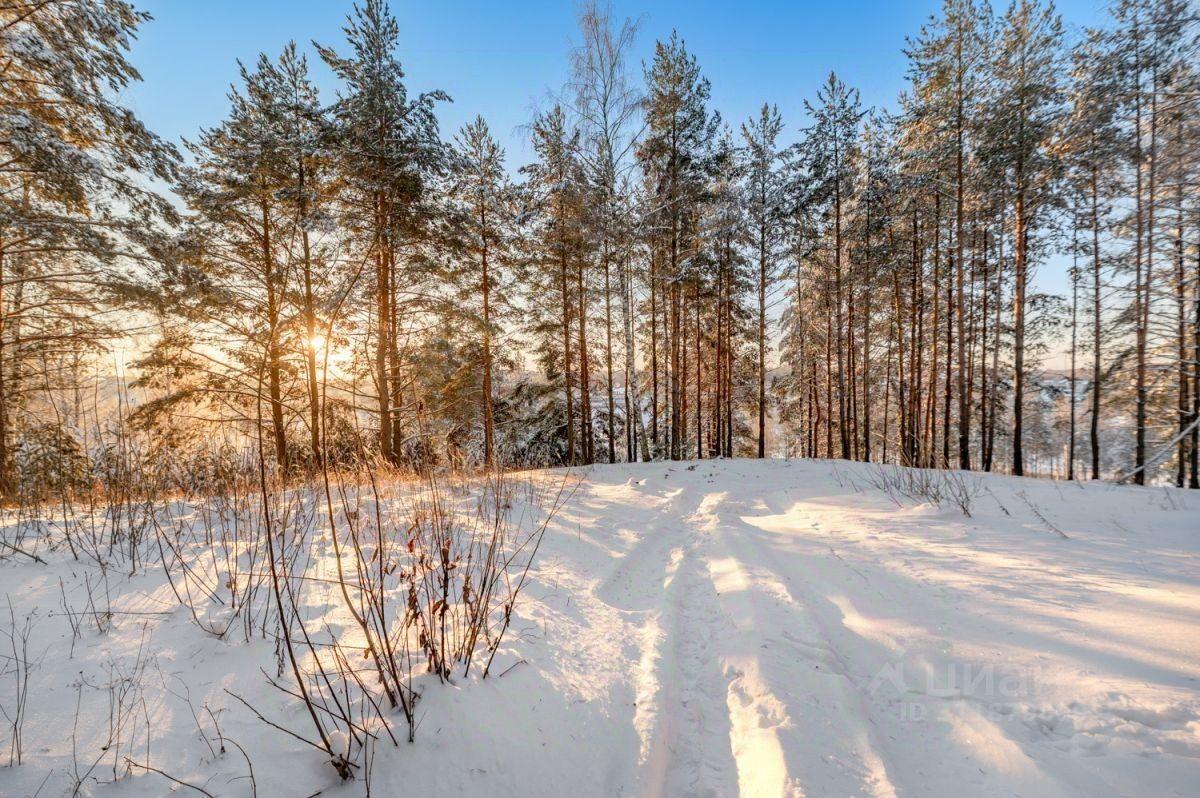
(718, 628)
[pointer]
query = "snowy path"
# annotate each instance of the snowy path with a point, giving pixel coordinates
(756, 628)
(800, 634)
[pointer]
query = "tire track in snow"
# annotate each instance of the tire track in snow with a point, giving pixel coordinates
(801, 721)
(662, 584)
(635, 582)
(962, 745)
(688, 744)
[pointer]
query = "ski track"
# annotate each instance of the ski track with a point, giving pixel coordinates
(759, 670)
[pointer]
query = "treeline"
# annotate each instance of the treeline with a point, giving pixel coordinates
(345, 282)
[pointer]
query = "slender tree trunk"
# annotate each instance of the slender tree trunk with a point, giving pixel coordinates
(948, 386)
(1021, 275)
(828, 372)
(489, 421)
(675, 324)
(762, 342)
(7, 482)
(994, 397)
(310, 323)
(636, 432)
(1141, 299)
(1074, 349)
(718, 412)
(843, 426)
(684, 371)
(903, 419)
(729, 346)
(887, 398)
(985, 294)
(397, 389)
(1181, 300)
(383, 336)
(1194, 465)
(608, 360)
(922, 441)
(274, 352)
(964, 404)
(654, 280)
(587, 437)
(909, 400)
(866, 365)
(978, 253)
(565, 295)
(699, 380)
(852, 361)
(1097, 374)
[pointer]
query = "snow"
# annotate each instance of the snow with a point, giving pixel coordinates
(712, 628)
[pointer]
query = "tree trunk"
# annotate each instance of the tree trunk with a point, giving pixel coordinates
(1194, 464)
(1074, 342)
(1184, 407)
(699, 380)
(654, 348)
(397, 389)
(676, 388)
(587, 442)
(383, 338)
(985, 292)
(274, 353)
(964, 404)
(310, 325)
(565, 295)
(1141, 300)
(762, 341)
(489, 420)
(866, 365)
(843, 426)
(1020, 267)
(608, 359)
(1097, 375)
(7, 483)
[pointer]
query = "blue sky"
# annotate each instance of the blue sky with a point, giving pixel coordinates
(501, 59)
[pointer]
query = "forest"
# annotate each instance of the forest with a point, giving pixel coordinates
(342, 277)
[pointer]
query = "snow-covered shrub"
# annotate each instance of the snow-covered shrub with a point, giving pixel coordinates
(926, 485)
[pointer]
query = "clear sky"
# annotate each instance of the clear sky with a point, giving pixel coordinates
(501, 59)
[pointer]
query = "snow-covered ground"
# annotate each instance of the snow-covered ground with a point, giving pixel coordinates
(716, 628)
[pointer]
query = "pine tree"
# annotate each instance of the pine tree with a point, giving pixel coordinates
(831, 146)
(605, 104)
(876, 252)
(556, 188)
(306, 186)
(479, 184)
(727, 231)
(232, 292)
(765, 206)
(389, 153)
(71, 204)
(1092, 147)
(949, 59)
(1021, 130)
(675, 150)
